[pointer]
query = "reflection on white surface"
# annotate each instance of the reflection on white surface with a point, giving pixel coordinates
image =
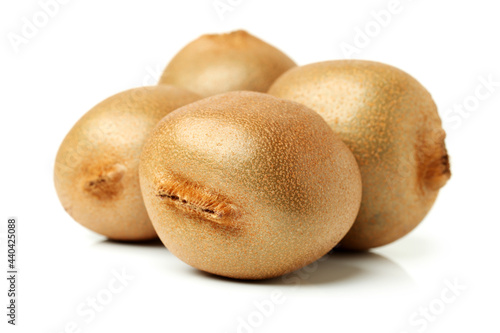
(341, 271)
(339, 280)
(336, 270)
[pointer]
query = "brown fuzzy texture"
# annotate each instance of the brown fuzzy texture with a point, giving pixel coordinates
(214, 64)
(96, 170)
(391, 124)
(283, 188)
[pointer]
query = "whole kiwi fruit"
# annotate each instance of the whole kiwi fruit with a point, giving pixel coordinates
(248, 186)
(96, 170)
(391, 124)
(219, 63)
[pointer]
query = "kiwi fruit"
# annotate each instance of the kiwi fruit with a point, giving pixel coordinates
(219, 63)
(391, 124)
(248, 186)
(96, 170)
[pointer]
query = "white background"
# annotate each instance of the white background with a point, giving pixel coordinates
(92, 49)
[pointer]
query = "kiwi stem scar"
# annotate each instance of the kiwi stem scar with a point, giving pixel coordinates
(199, 201)
(107, 184)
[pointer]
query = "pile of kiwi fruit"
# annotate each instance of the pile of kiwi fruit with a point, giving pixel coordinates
(248, 166)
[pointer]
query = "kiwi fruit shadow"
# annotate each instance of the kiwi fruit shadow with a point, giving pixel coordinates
(335, 268)
(151, 243)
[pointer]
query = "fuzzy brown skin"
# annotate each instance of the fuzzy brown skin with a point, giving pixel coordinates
(214, 64)
(391, 124)
(96, 170)
(248, 186)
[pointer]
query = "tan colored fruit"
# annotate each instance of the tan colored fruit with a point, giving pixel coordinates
(248, 186)
(96, 170)
(214, 64)
(391, 124)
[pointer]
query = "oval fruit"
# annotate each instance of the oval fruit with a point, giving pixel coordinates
(96, 171)
(391, 124)
(219, 63)
(248, 186)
